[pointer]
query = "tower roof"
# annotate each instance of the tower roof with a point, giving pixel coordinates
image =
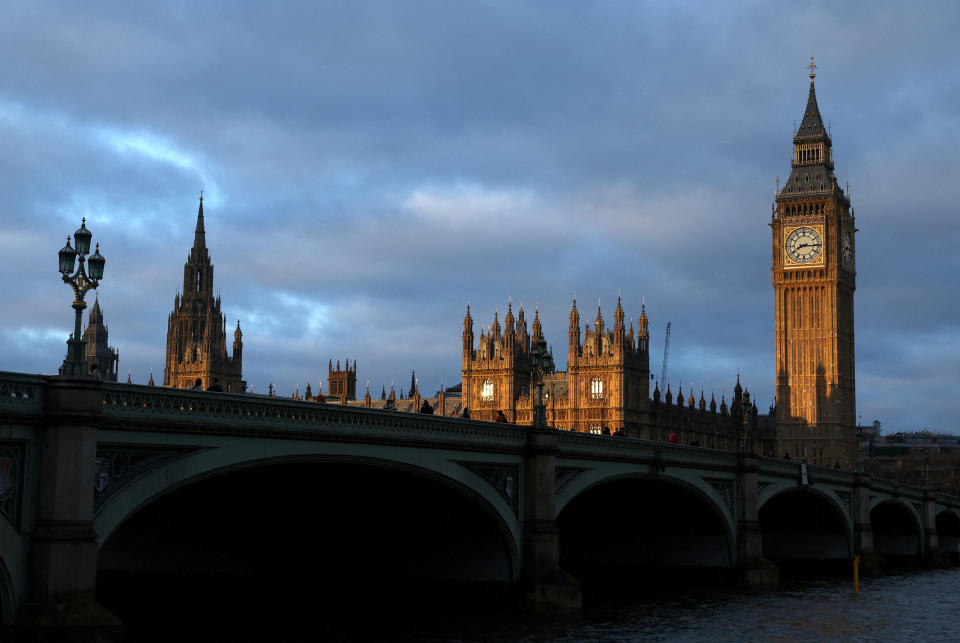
(537, 328)
(96, 315)
(811, 127)
(199, 234)
(812, 170)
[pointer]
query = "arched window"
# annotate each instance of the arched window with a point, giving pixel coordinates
(486, 394)
(596, 388)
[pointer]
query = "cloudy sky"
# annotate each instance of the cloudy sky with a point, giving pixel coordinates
(368, 167)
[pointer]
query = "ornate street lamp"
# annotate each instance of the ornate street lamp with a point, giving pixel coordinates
(82, 283)
(540, 361)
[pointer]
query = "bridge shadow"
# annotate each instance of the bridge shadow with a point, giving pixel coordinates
(948, 534)
(308, 542)
(641, 532)
(896, 531)
(804, 530)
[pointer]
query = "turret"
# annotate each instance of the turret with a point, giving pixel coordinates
(238, 347)
(509, 331)
(467, 336)
(574, 332)
(523, 339)
(618, 325)
(643, 329)
(537, 328)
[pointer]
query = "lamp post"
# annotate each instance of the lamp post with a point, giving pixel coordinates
(82, 283)
(540, 361)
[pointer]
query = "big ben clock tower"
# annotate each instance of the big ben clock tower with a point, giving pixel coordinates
(814, 279)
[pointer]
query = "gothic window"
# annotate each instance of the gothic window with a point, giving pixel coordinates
(596, 388)
(486, 394)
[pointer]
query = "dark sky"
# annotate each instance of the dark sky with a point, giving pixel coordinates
(368, 167)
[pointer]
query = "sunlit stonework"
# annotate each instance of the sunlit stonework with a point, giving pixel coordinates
(196, 330)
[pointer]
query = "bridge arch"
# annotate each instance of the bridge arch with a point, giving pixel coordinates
(713, 546)
(804, 523)
(948, 532)
(719, 498)
(897, 527)
(214, 462)
(8, 596)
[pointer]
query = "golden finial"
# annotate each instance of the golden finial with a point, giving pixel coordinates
(813, 67)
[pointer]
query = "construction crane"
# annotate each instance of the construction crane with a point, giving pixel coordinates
(666, 354)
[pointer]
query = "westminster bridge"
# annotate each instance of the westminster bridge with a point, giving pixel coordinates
(83, 463)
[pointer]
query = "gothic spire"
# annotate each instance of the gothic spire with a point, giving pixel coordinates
(618, 316)
(537, 328)
(199, 235)
(643, 327)
(812, 124)
(96, 315)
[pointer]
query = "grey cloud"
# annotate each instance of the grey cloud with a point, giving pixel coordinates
(633, 146)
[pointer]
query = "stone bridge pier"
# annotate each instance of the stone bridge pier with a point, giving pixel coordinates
(63, 554)
(756, 572)
(545, 586)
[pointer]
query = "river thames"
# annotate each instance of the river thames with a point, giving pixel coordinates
(903, 606)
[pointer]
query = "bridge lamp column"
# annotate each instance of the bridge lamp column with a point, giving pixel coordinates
(539, 361)
(82, 282)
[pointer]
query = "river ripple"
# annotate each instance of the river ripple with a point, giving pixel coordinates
(917, 606)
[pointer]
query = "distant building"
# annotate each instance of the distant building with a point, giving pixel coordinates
(605, 389)
(341, 384)
(197, 354)
(606, 384)
(922, 458)
(814, 275)
(102, 360)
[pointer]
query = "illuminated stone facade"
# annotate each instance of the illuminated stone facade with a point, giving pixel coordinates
(814, 274)
(197, 331)
(606, 386)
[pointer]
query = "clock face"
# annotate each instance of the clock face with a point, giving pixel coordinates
(846, 248)
(803, 245)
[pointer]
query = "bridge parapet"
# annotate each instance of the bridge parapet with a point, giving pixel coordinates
(586, 445)
(894, 489)
(176, 410)
(21, 394)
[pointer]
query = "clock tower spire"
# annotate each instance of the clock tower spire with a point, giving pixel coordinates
(814, 280)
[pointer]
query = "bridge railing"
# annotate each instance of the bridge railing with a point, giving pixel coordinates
(187, 410)
(21, 393)
(589, 445)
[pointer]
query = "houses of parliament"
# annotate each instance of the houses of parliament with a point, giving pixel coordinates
(606, 385)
